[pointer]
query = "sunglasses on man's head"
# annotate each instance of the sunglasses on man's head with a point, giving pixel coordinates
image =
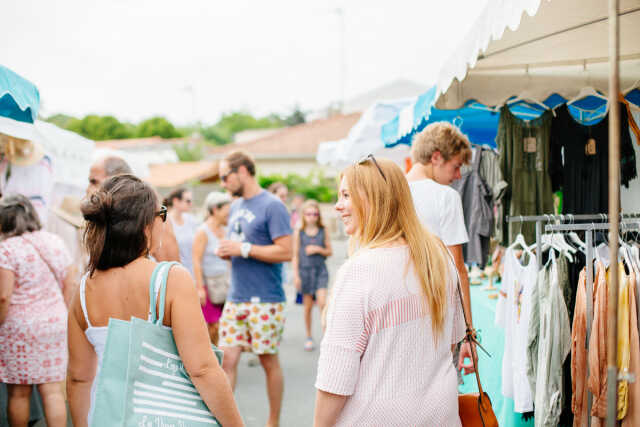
(365, 159)
(162, 213)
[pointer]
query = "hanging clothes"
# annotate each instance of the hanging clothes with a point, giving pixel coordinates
(549, 342)
(579, 356)
(633, 125)
(630, 197)
(492, 174)
(597, 353)
(524, 162)
(623, 341)
(477, 210)
(583, 175)
(513, 313)
(632, 419)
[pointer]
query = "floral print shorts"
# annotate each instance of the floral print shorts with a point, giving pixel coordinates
(256, 327)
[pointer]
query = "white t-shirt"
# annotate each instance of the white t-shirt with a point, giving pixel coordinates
(440, 209)
(513, 313)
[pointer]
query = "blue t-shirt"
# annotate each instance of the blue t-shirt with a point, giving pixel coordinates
(259, 220)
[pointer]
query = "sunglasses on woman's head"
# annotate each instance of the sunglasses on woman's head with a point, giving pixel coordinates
(365, 159)
(162, 213)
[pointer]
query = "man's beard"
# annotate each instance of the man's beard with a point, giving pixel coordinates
(239, 191)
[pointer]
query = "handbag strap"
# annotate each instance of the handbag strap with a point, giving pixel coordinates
(158, 291)
(469, 337)
(55, 276)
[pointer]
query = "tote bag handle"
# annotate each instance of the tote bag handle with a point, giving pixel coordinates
(158, 291)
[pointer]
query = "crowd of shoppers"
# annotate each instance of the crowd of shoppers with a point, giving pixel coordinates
(405, 256)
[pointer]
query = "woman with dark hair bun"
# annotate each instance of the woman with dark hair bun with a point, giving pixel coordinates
(124, 219)
(36, 281)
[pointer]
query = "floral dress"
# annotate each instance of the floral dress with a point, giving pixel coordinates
(33, 336)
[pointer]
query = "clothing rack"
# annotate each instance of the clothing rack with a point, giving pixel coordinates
(631, 222)
(539, 219)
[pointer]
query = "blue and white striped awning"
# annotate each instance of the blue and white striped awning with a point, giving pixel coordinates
(402, 127)
(19, 98)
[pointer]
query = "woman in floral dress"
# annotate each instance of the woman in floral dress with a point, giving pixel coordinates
(35, 282)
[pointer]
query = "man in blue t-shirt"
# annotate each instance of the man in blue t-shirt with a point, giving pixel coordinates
(259, 241)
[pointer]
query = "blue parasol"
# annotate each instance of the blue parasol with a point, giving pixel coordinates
(19, 98)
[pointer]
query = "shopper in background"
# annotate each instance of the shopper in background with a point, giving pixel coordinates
(124, 223)
(179, 203)
(296, 210)
(394, 314)
(437, 154)
(280, 191)
(211, 272)
(36, 284)
(259, 242)
(107, 167)
(311, 247)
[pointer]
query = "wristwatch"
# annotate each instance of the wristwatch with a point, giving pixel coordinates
(245, 248)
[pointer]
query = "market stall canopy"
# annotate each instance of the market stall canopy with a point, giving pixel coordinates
(71, 153)
(19, 98)
(560, 50)
(176, 174)
(364, 137)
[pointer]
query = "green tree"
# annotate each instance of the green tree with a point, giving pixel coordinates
(60, 120)
(295, 118)
(231, 123)
(157, 126)
(100, 128)
(313, 186)
(191, 152)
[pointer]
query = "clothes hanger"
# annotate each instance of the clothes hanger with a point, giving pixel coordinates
(585, 92)
(573, 236)
(520, 241)
(525, 96)
(636, 85)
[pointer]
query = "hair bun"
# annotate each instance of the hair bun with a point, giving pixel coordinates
(98, 208)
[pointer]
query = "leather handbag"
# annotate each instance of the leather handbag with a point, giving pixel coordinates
(474, 409)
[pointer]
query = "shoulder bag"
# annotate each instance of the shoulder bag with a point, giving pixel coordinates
(475, 409)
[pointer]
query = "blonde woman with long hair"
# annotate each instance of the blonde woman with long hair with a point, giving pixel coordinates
(393, 316)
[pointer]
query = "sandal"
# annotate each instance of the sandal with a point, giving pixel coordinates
(308, 345)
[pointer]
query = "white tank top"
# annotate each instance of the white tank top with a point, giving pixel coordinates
(97, 336)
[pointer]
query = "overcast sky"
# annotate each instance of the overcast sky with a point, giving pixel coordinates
(136, 58)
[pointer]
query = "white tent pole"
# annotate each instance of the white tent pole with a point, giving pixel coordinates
(614, 210)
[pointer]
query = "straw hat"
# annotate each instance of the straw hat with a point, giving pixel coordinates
(21, 152)
(69, 211)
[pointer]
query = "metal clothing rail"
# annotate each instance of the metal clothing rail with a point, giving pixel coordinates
(539, 219)
(624, 225)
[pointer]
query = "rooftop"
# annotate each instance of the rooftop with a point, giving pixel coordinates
(296, 141)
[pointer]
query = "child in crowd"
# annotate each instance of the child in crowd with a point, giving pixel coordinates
(311, 247)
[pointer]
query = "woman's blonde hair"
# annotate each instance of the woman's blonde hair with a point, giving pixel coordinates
(310, 203)
(386, 212)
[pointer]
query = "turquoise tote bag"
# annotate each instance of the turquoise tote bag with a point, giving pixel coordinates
(142, 381)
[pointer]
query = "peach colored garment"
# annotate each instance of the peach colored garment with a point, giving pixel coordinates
(579, 356)
(632, 418)
(597, 381)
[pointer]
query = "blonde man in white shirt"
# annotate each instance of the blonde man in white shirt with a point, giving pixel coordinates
(437, 153)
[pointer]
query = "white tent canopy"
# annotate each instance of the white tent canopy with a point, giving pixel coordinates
(558, 46)
(364, 138)
(70, 152)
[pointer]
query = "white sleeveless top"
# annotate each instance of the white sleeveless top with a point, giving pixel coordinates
(97, 336)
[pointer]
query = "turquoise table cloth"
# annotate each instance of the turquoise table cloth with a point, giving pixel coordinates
(492, 338)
